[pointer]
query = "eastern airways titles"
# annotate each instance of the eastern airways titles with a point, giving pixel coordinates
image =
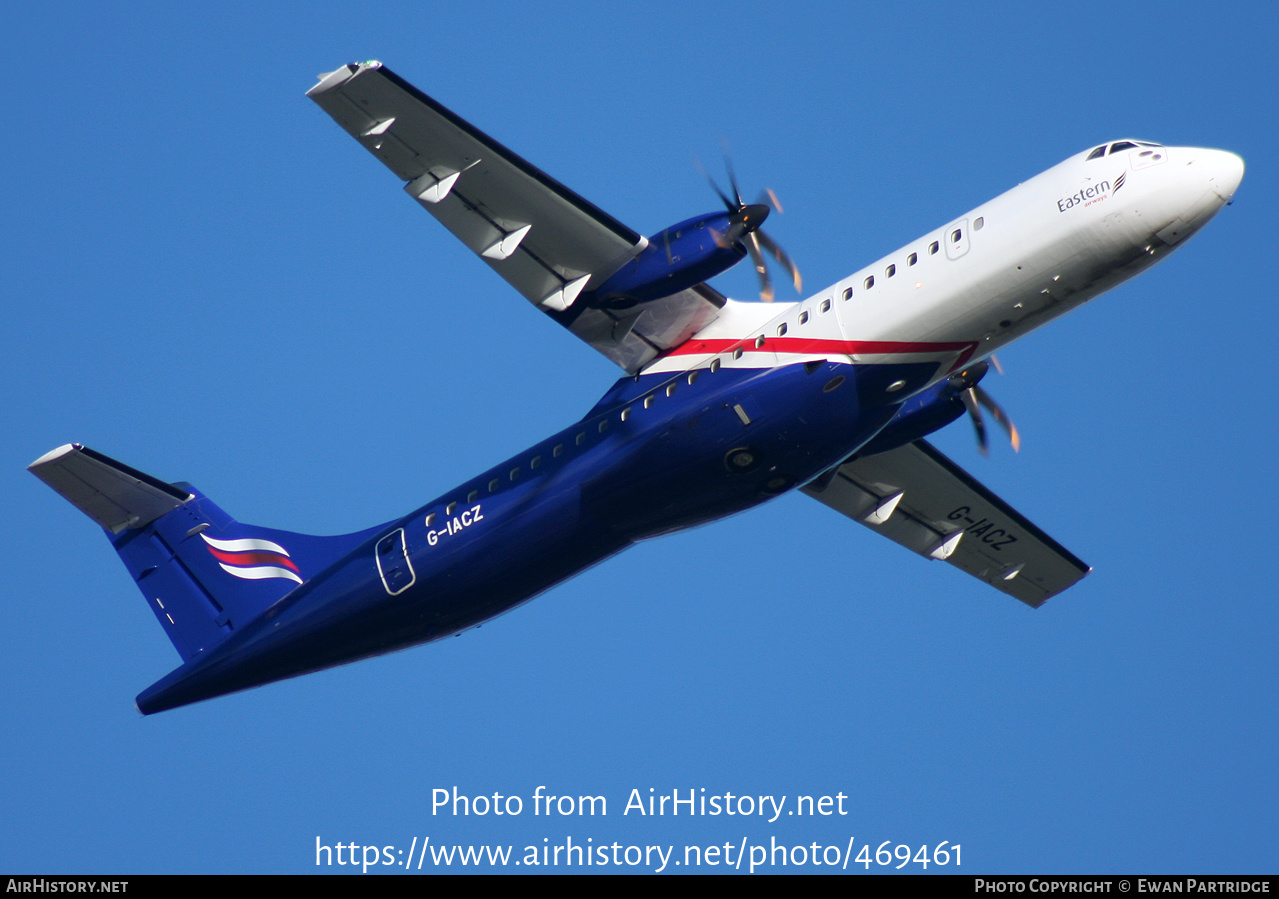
(696, 802)
(1091, 193)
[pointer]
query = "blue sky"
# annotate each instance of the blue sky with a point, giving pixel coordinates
(205, 278)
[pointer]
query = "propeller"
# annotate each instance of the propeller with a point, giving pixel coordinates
(975, 398)
(745, 221)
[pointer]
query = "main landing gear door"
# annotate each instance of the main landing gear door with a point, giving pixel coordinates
(393, 563)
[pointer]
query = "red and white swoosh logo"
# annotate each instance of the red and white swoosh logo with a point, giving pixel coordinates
(253, 559)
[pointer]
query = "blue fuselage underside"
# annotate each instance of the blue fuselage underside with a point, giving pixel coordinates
(728, 441)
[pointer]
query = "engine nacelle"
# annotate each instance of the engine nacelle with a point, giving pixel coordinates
(678, 258)
(920, 416)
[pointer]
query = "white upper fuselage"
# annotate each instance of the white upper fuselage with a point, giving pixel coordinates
(990, 276)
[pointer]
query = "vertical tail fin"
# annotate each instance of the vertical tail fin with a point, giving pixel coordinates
(202, 573)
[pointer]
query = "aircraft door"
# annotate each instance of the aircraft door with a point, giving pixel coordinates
(393, 565)
(956, 239)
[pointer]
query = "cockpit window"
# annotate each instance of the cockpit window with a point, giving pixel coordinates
(1100, 151)
(1121, 145)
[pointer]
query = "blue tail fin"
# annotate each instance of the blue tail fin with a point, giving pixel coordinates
(203, 573)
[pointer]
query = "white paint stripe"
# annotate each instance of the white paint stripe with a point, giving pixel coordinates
(235, 546)
(262, 571)
(762, 359)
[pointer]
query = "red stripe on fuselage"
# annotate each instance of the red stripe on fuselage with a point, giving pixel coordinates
(254, 558)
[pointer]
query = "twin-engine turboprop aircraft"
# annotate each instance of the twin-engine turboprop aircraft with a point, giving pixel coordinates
(723, 405)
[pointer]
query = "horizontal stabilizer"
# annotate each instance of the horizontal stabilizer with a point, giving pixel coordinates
(915, 496)
(111, 493)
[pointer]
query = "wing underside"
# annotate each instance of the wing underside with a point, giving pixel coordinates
(917, 497)
(546, 241)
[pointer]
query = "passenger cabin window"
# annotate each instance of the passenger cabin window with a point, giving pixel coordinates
(493, 485)
(515, 473)
(979, 223)
(869, 282)
(670, 389)
(558, 451)
(781, 329)
(603, 425)
(472, 496)
(956, 235)
(626, 413)
(1097, 153)
(648, 401)
(535, 462)
(430, 519)
(848, 293)
(932, 248)
(803, 318)
(715, 365)
(580, 438)
(826, 303)
(890, 271)
(737, 353)
(912, 258)
(692, 376)
(448, 510)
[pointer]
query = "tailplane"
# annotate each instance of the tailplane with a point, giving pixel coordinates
(202, 573)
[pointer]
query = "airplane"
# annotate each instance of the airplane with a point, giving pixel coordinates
(722, 404)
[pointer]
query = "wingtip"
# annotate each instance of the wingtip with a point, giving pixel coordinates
(55, 454)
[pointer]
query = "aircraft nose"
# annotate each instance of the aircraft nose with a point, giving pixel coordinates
(1199, 189)
(1225, 171)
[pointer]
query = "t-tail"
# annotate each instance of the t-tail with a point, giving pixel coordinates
(204, 574)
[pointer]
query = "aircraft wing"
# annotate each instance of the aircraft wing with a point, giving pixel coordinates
(917, 497)
(549, 243)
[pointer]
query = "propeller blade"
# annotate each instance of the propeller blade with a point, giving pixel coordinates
(781, 256)
(746, 220)
(765, 282)
(732, 179)
(728, 204)
(969, 397)
(1000, 416)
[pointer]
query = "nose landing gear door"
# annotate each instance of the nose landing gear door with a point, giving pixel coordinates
(393, 563)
